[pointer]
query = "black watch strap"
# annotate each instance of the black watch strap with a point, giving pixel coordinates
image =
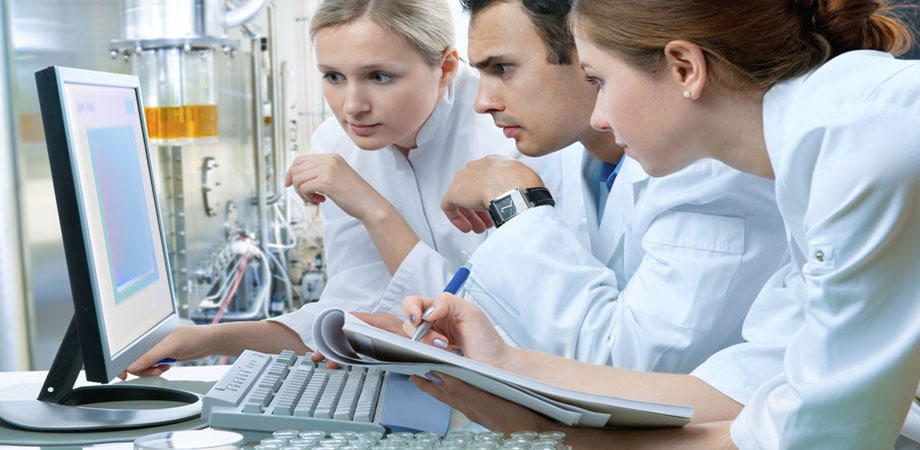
(539, 196)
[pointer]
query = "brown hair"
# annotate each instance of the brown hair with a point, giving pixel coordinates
(425, 24)
(749, 44)
(549, 17)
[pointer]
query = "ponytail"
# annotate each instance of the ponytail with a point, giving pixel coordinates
(854, 25)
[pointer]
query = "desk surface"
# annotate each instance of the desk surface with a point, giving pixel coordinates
(175, 373)
(25, 386)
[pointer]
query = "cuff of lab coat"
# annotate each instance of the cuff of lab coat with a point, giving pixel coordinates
(301, 321)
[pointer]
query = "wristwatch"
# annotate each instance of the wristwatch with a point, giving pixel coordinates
(515, 201)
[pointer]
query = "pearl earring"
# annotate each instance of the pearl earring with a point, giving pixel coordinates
(686, 94)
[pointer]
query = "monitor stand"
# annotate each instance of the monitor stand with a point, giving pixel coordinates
(60, 407)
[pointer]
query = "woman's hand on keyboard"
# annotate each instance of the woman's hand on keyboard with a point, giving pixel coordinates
(318, 357)
(459, 326)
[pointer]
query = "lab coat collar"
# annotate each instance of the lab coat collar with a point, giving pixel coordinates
(631, 171)
(607, 231)
(433, 128)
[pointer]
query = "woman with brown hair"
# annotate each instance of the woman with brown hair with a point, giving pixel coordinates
(806, 92)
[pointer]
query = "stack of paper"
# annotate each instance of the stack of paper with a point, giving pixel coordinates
(347, 340)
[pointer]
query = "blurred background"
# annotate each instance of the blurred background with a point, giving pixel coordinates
(230, 97)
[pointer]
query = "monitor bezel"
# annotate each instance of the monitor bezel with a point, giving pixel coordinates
(99, 363)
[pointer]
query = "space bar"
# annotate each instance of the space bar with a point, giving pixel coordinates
(404, 406)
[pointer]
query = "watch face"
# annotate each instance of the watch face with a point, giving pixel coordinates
(506, 207)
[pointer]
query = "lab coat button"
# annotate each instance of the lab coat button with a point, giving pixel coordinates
(819, 255)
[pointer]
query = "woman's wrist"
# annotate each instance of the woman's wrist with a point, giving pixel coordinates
(511, 359)
(380, 214)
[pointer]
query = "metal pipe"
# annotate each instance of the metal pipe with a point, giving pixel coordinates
(258, 309)
(14, 309)
(259, 150)
(279, 144)
(243, 13)
(278, 110)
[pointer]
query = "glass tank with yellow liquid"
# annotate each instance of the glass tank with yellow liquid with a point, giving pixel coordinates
(171, 46)
(180, 101)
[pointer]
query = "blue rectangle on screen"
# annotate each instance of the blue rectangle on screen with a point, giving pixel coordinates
(122, 200)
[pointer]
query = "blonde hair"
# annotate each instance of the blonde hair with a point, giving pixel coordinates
(749, 44)
(426, 25)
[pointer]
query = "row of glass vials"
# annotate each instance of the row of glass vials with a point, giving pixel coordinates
(455, 440)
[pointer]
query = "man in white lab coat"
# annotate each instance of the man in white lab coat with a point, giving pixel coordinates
(661, 272)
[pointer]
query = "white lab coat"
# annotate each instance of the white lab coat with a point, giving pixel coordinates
(832, 358)
(358, 279)
(662, 281)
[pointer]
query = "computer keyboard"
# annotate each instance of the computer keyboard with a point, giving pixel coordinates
(269, 392)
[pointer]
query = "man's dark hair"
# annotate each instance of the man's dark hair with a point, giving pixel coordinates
(550, 17)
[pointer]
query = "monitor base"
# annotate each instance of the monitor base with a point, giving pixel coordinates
(78, 414)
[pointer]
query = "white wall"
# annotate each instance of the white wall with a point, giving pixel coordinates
(461, 25)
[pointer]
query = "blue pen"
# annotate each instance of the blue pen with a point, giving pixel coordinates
(452, 287)
(165, 361)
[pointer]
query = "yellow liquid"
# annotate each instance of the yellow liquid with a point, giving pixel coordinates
(181, 122)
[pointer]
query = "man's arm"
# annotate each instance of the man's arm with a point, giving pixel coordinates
(689, 272)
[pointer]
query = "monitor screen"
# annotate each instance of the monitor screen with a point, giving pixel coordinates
(125, 252)
(116, 255)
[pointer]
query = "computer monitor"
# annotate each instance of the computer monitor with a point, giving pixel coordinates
(115, 249)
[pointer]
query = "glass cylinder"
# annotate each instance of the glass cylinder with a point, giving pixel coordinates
(171, 45)
(180, 96)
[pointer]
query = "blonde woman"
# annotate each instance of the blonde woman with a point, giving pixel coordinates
(403, 124)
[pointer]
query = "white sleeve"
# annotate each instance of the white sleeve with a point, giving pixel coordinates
(548, 292)
(851, 370)
(773, 319)
(527, 271)
(700, 270)
(423, 272)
